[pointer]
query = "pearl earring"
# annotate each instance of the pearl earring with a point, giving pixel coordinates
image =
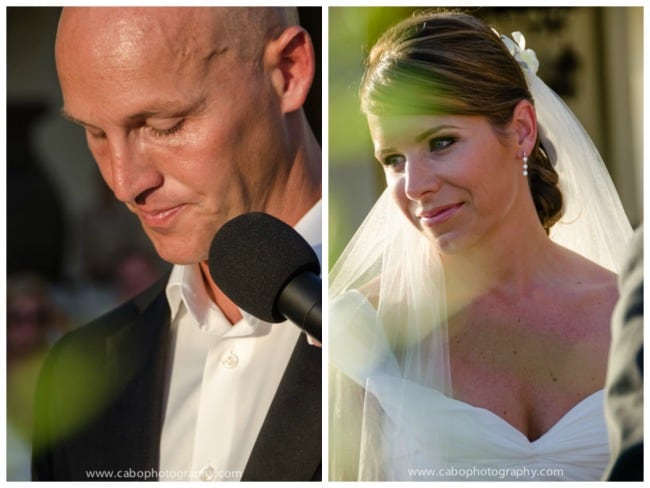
(525, 160)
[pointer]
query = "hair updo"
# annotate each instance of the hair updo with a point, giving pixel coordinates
(452, 63)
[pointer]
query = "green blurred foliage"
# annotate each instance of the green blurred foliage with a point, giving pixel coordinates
(352, 31)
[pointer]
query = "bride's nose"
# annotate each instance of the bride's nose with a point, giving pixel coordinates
(420, 178)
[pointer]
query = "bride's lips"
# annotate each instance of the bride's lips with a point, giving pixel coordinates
(160, 218)
(438, 215)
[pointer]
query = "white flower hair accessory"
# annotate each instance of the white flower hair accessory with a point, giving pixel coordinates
(517, 47)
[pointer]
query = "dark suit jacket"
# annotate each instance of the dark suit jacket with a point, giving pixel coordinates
(625, 372)
(99, 403)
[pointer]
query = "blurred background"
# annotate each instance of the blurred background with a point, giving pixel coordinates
(591, 56)
(73, 251)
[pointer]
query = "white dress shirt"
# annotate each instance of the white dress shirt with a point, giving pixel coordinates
(222, 377)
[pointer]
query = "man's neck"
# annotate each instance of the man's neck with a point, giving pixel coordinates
(227, 306)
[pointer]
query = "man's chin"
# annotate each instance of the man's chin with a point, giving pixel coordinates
(185, 256)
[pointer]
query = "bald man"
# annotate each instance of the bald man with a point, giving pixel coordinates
(194, 116)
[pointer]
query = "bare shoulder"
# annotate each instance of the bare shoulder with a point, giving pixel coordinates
(582, 271)
(594, 287)
(594, 278)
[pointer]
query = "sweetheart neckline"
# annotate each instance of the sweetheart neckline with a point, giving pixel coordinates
(560, 421)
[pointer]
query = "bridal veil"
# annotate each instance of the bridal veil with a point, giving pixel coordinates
(388, 327)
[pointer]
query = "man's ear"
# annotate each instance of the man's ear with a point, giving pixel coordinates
(524, 125)
(290, 61)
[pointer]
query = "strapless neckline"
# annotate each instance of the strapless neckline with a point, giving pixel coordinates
(576, 410)
(408, 426)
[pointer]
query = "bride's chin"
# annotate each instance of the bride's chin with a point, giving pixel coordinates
(447, 243)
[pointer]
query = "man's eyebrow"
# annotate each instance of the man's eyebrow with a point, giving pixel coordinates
(75, 120)
(168, 111)
(165, 110)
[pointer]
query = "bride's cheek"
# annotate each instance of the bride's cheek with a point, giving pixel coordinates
(396, 184)
(396, 187)
(406, 207)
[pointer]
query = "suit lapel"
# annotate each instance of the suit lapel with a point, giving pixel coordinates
(288, 447)
(289, 444)
(138, 352)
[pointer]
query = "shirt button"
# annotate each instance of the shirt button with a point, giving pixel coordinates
(230, 360)
(207, 473)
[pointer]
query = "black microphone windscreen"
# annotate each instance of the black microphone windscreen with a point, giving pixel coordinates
(252, 258)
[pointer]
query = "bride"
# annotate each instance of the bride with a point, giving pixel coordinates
(470, 314)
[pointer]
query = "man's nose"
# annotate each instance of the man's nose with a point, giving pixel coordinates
(130, 172)
(421, 178)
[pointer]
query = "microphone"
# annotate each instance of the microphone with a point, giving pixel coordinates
(267, 268)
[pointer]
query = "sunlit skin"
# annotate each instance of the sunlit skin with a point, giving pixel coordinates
(451, 176)
(528, 319)
(185, 131)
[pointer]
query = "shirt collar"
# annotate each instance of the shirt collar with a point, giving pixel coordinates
(185, 285)
(310, 227)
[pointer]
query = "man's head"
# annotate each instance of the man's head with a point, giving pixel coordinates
(193, 115)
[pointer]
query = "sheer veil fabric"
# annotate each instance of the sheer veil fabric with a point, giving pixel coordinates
(388, 330)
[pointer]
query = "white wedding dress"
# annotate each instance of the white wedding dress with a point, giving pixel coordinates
(392, 415)
(422, 434)
(483, 446)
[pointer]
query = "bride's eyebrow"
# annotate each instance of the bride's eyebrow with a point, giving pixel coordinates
(384, 151)
(433, 131)
(418, 138)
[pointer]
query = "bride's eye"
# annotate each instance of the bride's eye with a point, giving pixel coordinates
(440, 143)
(394, 161)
